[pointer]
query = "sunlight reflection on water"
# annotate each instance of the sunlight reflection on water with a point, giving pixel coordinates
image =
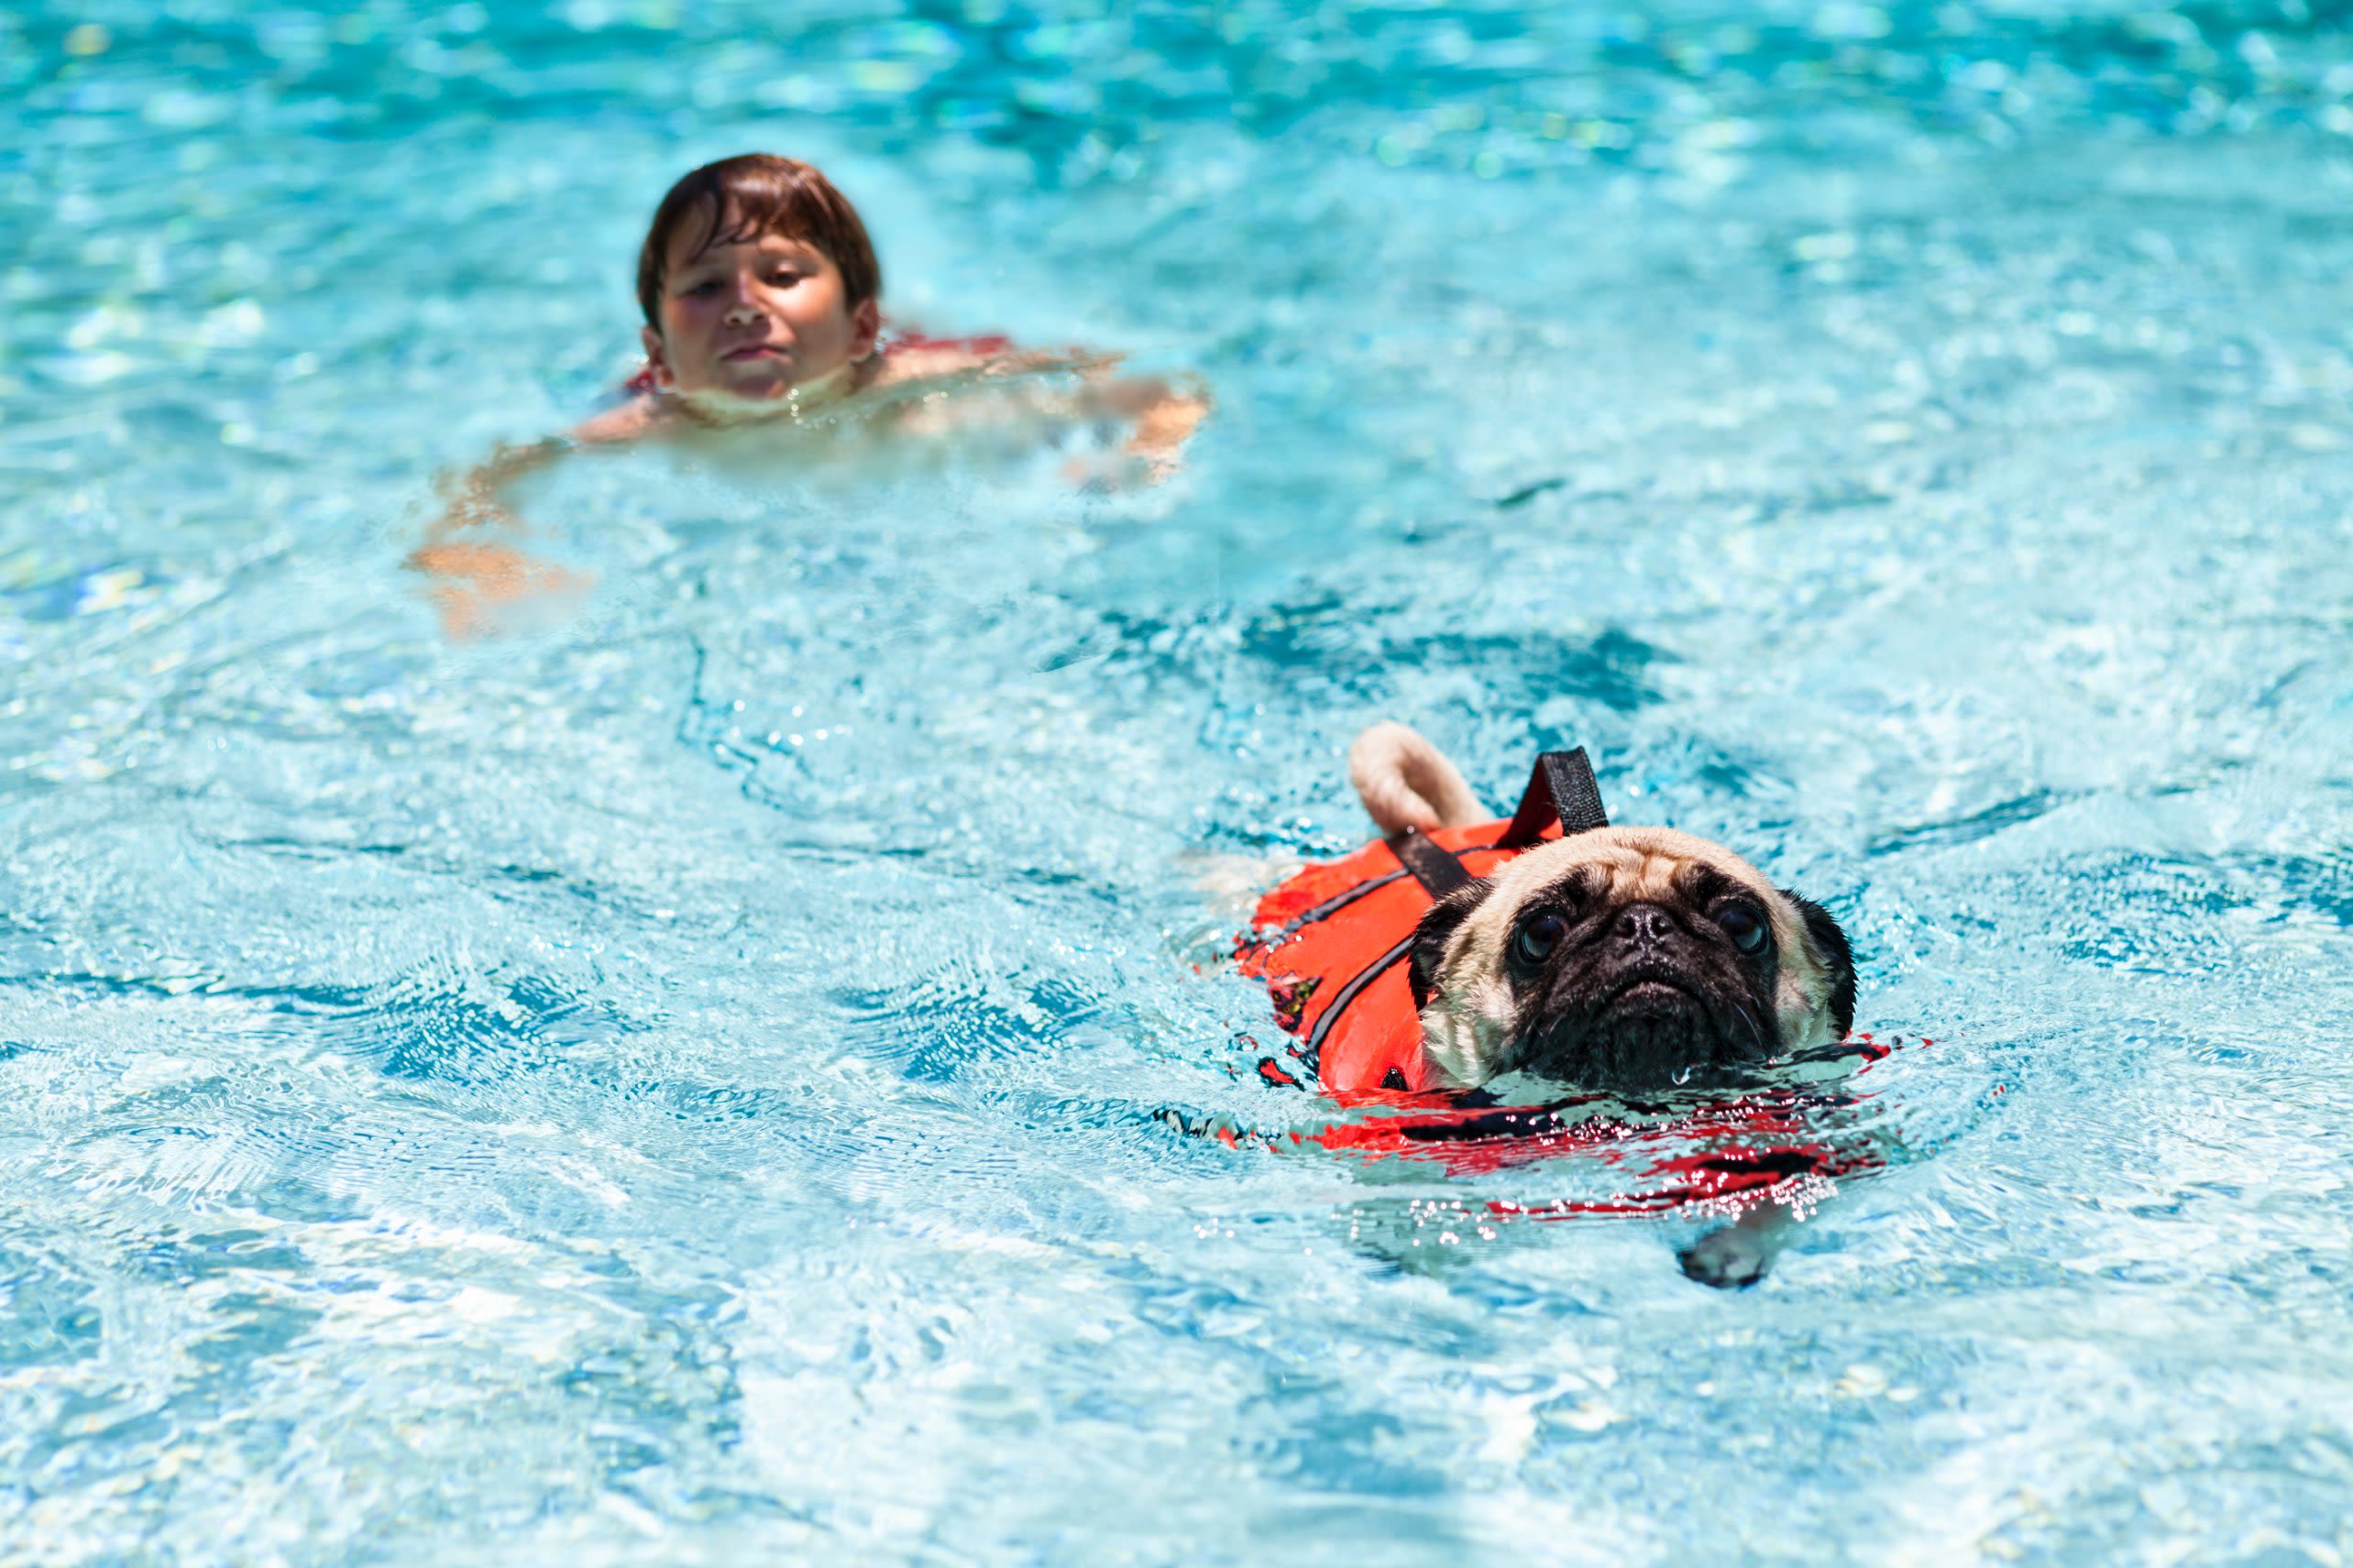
(685, 1081)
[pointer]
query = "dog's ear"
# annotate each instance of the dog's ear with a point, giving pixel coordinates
(1837, 959)
(1438, 923)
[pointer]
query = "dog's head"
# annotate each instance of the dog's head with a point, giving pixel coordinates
(1626, 958)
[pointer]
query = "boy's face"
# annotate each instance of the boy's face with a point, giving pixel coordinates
(754, 318)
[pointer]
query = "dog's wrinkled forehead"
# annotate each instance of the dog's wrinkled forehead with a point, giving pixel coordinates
(1617, 866)
(1624, 865)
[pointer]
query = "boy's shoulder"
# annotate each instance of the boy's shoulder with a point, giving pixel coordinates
(912, 356)
(641, 416)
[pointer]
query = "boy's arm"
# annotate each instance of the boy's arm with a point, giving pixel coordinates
(478, 499)
(1164, 416)
(637, 418)
(473, 578)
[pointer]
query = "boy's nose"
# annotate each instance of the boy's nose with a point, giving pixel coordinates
(742, 312)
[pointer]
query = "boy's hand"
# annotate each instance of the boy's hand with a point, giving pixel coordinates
(1165, 418)
(475, 585)
(474, 579)
(1164, 428)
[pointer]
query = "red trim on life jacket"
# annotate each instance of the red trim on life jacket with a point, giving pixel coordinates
(1733, 1151)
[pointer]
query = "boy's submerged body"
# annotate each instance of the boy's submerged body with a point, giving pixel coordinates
(762, 300)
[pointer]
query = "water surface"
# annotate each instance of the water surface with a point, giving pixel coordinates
(682, 1081)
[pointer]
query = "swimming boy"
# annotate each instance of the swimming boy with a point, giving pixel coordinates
(761, 299)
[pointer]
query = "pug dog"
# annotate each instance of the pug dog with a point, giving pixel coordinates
(1622, 959)
(1617, 959)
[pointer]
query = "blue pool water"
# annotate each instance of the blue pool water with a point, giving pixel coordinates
(682, 1082)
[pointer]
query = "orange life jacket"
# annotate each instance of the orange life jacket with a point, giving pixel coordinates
(1332, 944)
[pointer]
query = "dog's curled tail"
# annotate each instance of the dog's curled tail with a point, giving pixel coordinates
(1405, 781)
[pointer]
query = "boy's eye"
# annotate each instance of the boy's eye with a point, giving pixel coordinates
(705, 287)
(785, 275)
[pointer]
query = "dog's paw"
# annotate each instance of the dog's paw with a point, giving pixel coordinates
(1731, 1258)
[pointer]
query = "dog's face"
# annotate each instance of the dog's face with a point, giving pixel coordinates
(1626, 958)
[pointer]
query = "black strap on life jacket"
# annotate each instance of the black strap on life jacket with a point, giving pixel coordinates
(1433, 864)
(1334, 903)
(1349, 992)
(1561, 788)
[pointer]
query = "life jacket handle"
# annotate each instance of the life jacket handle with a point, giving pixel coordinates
(1436, 867)
(1561, 788)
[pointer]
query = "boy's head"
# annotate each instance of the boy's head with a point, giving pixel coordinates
(756, 277)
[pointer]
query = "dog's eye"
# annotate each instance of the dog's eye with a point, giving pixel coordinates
(1537, 936)
(1746, 927)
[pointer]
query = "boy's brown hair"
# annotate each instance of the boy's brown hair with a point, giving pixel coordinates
(761, 193)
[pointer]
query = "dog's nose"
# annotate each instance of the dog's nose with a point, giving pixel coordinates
(1645, 925)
